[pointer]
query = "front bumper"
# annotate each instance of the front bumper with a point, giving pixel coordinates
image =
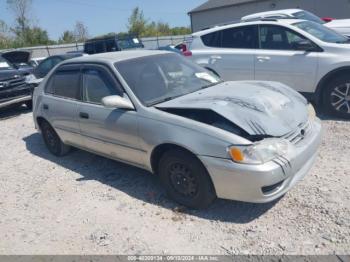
(15, 95)
(269, 181)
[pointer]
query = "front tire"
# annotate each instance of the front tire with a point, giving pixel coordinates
(52, 141)
(185, 179)
(336, 98)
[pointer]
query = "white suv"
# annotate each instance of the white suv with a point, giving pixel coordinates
(304, 55)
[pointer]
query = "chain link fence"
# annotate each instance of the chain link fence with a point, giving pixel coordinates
(149, 43)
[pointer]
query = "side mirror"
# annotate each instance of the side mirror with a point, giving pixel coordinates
(304, 45)
(117, 102)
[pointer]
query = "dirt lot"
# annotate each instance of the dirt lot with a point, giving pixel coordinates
(86, 204)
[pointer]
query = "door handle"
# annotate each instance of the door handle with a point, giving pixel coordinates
(84, 115)
(46, 107)
(216, 57)
(263, 58)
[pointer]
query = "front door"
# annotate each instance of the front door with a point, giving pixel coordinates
(277, 59)
(112, 132)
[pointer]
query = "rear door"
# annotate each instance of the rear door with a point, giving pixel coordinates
(60, 104)
(231, 52)
(112, 132)
(277, 59)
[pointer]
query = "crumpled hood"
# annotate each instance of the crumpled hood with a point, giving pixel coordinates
(260, 108)
(17, 57)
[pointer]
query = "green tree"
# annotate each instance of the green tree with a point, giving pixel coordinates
(21, 9)
(180, 31)
(5, 39)
(37, 36)
(81, 32)
(67, 37)
(142, 27)
(137, 22)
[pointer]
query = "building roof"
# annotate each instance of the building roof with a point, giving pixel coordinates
(213, 4)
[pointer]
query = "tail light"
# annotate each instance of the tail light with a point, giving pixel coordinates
(185, 51)
(327, 19)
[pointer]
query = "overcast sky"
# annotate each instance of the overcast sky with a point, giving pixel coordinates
(101, 16)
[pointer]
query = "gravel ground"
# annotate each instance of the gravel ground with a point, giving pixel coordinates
(86, 204)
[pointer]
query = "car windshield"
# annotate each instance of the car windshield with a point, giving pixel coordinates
(321, 32)
(4, 64)
(158, 78)
(304, 15)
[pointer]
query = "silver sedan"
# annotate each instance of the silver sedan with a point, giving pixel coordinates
(204, 138)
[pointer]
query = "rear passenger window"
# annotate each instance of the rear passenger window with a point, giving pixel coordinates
(212, 39)
(97, 84)
(65, 84)
(238, 37)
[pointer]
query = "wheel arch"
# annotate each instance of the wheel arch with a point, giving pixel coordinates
(326, 79)
(41, 120)
(160, 149)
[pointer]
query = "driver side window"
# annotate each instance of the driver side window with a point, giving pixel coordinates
(278, 38)
(97, 84)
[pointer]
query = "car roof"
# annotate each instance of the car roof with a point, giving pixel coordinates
(261, 14)
(118, 56)
(243, 23)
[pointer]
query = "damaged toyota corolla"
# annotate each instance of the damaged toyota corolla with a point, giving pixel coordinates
(248, 141)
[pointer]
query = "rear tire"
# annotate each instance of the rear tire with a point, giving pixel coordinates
(185, 179)
(52, 141)
(336, 97)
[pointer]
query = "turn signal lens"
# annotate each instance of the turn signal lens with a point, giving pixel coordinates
(236, 154)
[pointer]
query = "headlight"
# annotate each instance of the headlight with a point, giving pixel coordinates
(260, 152)
(30, 78)
(311, 111)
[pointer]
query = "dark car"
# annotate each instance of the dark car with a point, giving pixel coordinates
(111, 44)
(20, 60)
(46, 65)
(13, 87)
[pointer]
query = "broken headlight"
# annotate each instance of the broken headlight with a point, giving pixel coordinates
(259, 152)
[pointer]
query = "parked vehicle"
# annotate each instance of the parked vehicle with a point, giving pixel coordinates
(46, 65)
(170, 48)
(304, 55)
(13, 87)
(248, 141)
(180, 48)
(111, 44)
(20, 60)
(34, 62)
(342, 26)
